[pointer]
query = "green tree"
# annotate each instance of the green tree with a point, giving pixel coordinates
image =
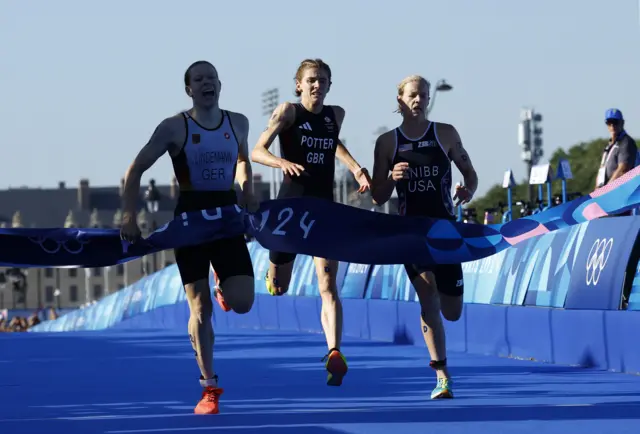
(584, 159)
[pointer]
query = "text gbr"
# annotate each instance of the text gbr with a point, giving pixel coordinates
(316, 143)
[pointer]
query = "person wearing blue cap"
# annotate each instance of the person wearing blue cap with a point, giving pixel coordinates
(621, 153)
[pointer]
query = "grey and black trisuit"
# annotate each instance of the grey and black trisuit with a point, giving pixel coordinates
(205, 169)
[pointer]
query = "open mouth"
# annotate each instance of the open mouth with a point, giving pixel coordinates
(209, 93)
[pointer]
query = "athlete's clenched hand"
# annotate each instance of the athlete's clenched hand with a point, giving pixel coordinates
(129, 231)
(363, 178)
(399, 171)
(463, 195)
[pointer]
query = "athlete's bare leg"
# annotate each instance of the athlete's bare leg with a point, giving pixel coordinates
(279, 277)
(239, 294)
(432, 326)
(451, 306)
(331, 319)
(331, 314)
(200, 327)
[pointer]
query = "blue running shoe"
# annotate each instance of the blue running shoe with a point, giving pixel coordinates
(443, 389)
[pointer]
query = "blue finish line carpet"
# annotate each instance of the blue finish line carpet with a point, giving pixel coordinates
(147, 382)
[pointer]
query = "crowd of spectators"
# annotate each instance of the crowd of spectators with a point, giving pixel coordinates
(19, 323)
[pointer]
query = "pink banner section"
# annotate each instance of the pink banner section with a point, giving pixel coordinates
(539, 230)
(616, 183)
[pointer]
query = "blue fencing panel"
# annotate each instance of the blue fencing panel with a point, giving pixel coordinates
(105, 314)
(304, 281)
(517, 275)
(546, 266)
(260, 259)
(550, 270)
(390, 282)
(168, 288)
(482, 277)
(634, 298)
(601, 263)
(355, 281)
(134, 301)
(342, 274)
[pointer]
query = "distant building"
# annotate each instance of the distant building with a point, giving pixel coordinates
(86, 206)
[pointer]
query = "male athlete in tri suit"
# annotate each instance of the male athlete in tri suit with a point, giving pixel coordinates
(418, 154)
(309, 138)
(209, 150)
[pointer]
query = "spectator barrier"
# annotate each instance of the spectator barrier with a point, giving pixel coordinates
(554, 298)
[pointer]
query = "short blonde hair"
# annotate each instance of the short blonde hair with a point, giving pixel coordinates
(411, 79)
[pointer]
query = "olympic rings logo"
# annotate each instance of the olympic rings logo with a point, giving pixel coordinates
(597, 259)
(52, 247)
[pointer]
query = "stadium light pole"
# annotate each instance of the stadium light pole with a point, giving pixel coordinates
(270, 100)
(530, 140)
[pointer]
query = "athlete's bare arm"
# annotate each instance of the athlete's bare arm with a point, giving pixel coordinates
(283, 117)
(244, 176)
(164, 139)
(450, 138)
(342, 153)
(382, 184)
(340, 113)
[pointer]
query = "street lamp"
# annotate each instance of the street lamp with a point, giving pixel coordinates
(87, 285)
(441, 86)
(3, 284)
(56, 294)
(152, 198)
(143, 224)
(269, 103)
(18, 279)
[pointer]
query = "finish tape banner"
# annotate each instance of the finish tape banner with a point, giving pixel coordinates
(308, 226)
(581, 267)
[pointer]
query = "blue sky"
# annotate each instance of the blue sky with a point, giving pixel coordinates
(84, 84)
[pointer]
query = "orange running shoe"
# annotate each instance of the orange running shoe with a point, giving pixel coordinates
(336, 367)
(220, 299)
(210, 395)
(218, 293)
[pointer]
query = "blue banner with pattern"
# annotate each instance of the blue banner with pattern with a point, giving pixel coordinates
(307, 226)
(601, 262)
(581, 267)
